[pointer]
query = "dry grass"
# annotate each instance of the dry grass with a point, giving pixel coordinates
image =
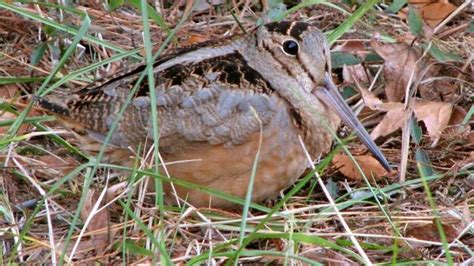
(399, 227)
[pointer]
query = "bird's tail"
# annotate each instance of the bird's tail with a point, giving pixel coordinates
(52, 103)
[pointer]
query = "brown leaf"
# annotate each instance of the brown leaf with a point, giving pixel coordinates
(350, 46)
(435, 115)
(7, 116)
(457, 116)
(400, 60)
(470, 140)
(349, 73)
(356, 47)
(392, 121)
(372, 101)
(194, 38)
(99, 224)
(369, 165)
(429, 232)
(438, 89)
(324, 256)
(64, 164)
(8, 91)
(421, 2)
(434, 13)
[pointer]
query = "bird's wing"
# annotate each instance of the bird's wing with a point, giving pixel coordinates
(217, 101)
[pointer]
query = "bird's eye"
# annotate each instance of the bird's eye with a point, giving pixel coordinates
(290, 47)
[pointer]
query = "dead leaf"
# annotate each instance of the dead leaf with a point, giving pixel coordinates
(349, 73)
(457, 116)
(115, 190)
(429, 232)
(7, 116)
(434, 13)
(324, 256)
(194, 38)
(438, 90)
(392, 121)
(8, 91)
(435, 115)
(356, 47)
(368, 164)
(64, 165)
(374, 103)
(455, 131)
(400, 61)
(470, 139)
(421, 2)
(99, 224)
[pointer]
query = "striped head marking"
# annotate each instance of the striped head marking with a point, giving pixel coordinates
(297, 50)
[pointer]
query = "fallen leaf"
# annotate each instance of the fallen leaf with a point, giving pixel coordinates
(392, 121)
(434, 13)
(374, 103)
(435, 115)
(99, 223)
(349, 73)
(324, 256)
(8, 91)
(64, 165)
(400, 61)
(356, 47)
(470, 139)
(429, 232)
(421, 2)
(194, 38)
(438, 90)
(368, 164)
(7, 116)
(457, 116)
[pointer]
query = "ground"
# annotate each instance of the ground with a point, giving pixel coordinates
(420, 211)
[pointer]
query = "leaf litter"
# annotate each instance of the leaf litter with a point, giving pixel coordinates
(407, 206)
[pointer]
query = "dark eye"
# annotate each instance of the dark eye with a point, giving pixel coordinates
(290, 47)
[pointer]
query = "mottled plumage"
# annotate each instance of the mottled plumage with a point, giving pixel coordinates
(214, 101)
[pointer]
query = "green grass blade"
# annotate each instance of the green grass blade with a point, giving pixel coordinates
(310, 3)
(18, 122)
(62, 27)
(248, 196)
(155, 126)
(186, 184)
(151, 13)
(29, 222)
(149, 234)
(15, 80)
(423, 170)
(349, 22)
(72, 75)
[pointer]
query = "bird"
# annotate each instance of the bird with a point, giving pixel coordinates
(219, 103)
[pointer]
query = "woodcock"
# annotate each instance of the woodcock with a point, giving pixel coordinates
(214, 102)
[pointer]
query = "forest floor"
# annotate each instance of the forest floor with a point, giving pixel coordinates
(406, 69)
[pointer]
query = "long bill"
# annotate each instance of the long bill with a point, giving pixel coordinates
(332, 98)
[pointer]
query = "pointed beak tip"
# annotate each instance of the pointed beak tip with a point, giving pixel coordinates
(330, 95)
(385, 164)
